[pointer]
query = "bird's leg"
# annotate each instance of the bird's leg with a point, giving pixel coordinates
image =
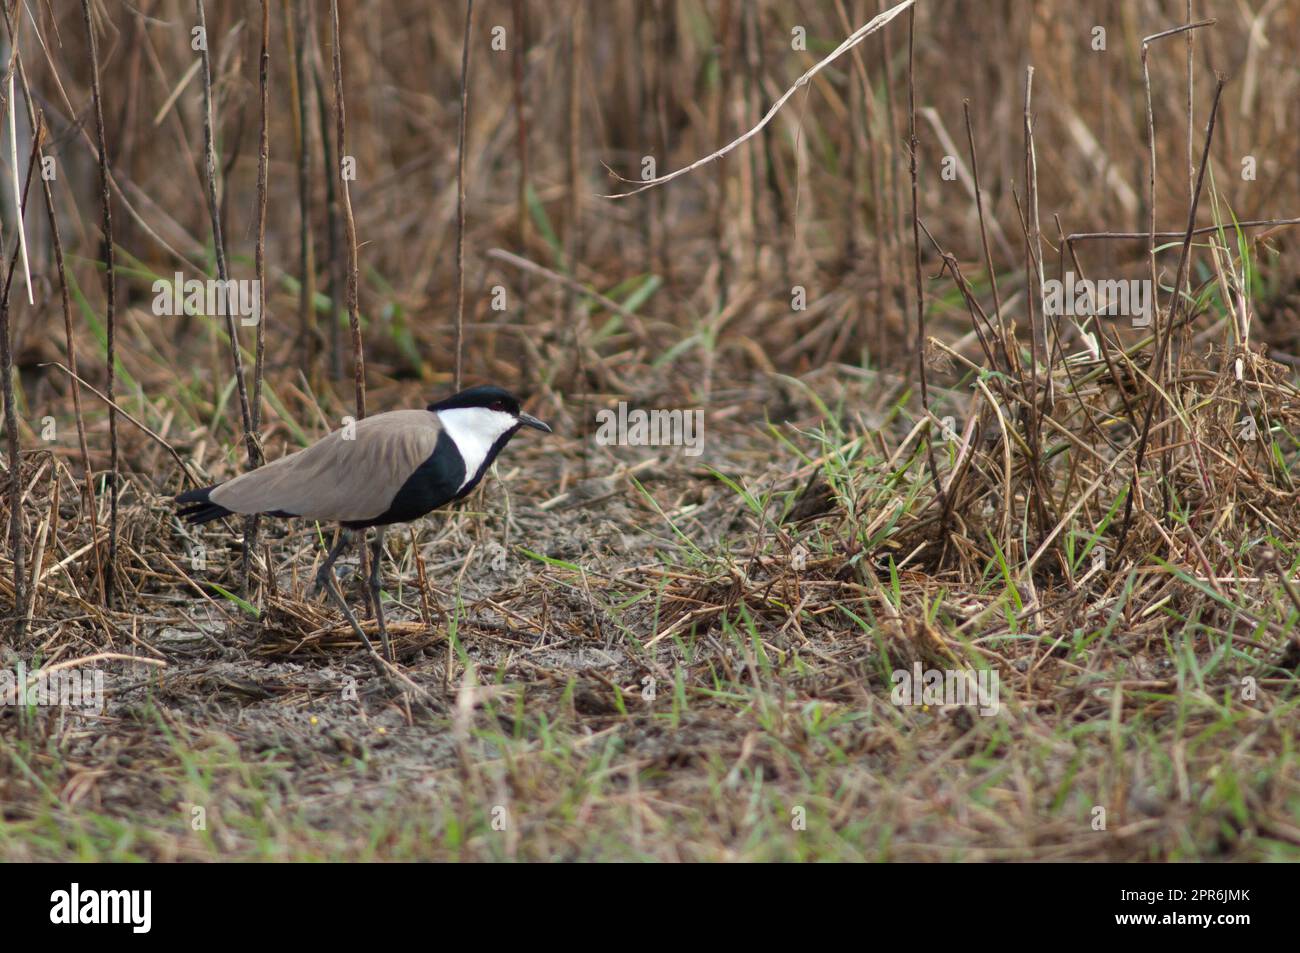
(326, 570)
(325, 579)
(376, 554)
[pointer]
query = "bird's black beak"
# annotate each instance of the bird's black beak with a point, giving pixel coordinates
(528, 420)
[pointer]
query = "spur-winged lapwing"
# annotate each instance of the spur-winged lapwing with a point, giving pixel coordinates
(389, 468)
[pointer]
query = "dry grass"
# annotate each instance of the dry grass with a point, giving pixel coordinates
(629, 652)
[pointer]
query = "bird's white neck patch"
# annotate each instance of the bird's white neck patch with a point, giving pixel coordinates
(474, 430)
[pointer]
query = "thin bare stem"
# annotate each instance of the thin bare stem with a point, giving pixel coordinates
(460, 192)
(180, 461)
(298, 90)
(259, 251)
(223, 273)
(17, 541)
(110, 316)
(916, 250)
(1205, 230)
(984, 239)
(12, 111)
(259, 267)
(1174, 308)
(857, 37)
(354, 319)
(37, 125)
(218, 239)
(21, 608)
(518, 53)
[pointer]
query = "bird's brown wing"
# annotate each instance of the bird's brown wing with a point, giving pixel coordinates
(343, 477)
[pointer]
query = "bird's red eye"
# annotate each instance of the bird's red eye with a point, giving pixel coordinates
(498, 405)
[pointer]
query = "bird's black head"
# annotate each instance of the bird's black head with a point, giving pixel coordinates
(490, 398)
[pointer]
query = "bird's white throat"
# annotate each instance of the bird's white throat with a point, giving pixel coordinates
(474, 430)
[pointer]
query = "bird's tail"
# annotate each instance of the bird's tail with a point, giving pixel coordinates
(198, 506)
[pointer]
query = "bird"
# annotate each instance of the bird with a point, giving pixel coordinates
(391, 468)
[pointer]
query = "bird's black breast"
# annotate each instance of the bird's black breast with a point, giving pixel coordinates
(434, 483)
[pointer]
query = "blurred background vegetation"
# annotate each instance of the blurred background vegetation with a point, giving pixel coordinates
(819, 200)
